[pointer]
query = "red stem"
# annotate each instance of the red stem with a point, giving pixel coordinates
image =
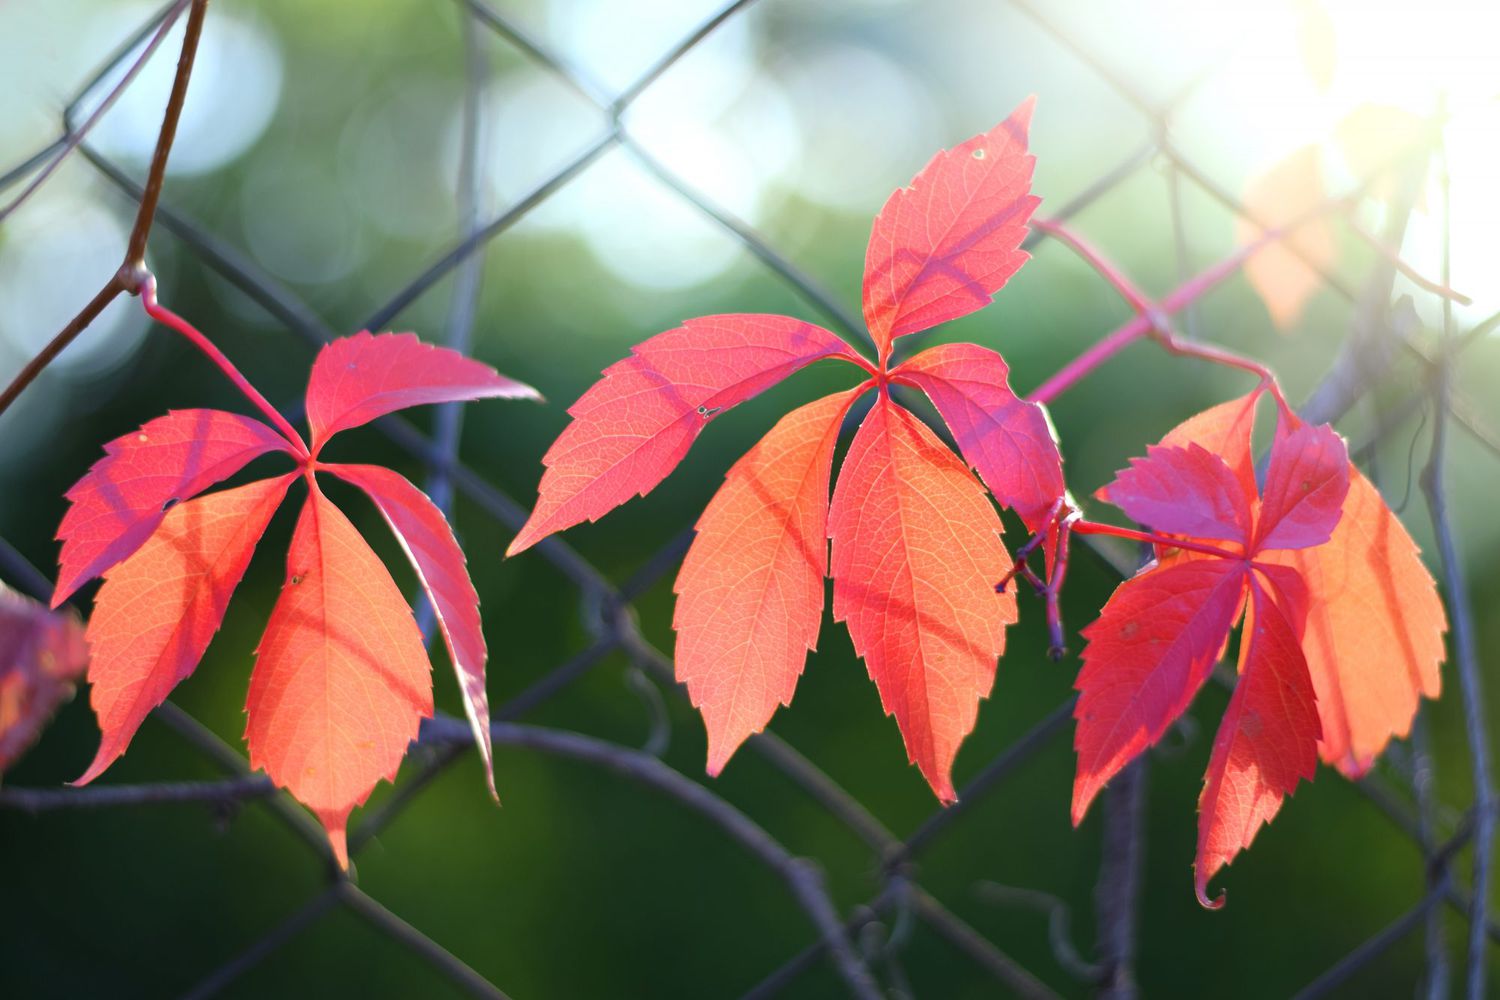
(1082, 527)
(1151, 317)
(1128, 291)
(167, 317)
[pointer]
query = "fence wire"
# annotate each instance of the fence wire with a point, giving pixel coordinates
(867, 962)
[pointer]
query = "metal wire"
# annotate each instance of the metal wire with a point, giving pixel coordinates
(613, 627)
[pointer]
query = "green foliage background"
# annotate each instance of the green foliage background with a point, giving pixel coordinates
(583, 885)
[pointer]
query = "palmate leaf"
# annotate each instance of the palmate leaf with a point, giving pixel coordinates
(916, 547)
(1343, 634)
(342, 677)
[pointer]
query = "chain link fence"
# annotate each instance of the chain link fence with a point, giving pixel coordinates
(868, 964)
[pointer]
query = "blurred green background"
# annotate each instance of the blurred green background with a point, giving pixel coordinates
(321, 139)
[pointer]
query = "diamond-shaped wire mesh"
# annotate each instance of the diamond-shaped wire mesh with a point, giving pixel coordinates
(867, 964)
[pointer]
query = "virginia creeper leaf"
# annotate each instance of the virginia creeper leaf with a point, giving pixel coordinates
(116, 506)
(750, 594)
(1148, 654)
(1225, 430)
(341, 679)
(1374, 635)
(42, 652)
(1183, 491)
(916, 553)
(1007, 440)
(1305, 488)
(428, 541)
(942, 246)
(159, 609)
(356, 379)
(633, 426)
(1266, 743)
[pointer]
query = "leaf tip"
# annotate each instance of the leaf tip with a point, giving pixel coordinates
(336, 824)
(1023, 112)
(1084, 791)
(102, 760)
(1200, 889)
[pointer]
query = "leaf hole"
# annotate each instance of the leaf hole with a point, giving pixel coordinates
(979, 153)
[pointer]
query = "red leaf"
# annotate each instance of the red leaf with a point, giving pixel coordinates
(941, 247)
(1305, 489)
(1224, 430)
(632, 427)
(159, 609)
(916, 554)
(1149, 652)
(1008, 441)
(1183, 491)
(356, 379)
(428, 541)
(1374, 635)
(750, 594)
(42, 653)
(341, 679)
(122, 499)
(1266, 743)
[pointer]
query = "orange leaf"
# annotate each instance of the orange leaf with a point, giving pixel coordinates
(159, 609)
(341, 678)
(1279, 197)
(750, 594)
(1375, 627)
(916, 555)
(42, 653)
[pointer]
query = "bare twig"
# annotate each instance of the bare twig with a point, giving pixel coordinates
(127, 277)
(74, 136)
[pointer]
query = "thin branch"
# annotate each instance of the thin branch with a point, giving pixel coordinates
(72, 137)
(127, 278)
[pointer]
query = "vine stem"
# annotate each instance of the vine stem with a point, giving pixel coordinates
(1153, 319)
(1083, 527)
(168, 318)
(131, 272)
